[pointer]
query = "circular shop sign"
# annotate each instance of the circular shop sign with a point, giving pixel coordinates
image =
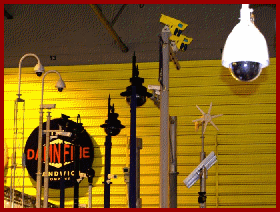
(59, 151)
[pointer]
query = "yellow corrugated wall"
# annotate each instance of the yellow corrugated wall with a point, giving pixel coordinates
(245, 145)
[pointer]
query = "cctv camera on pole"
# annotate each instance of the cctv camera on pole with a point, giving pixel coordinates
(171, 40)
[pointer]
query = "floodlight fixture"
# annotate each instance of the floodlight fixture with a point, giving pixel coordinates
(207, 163)
(245, 52)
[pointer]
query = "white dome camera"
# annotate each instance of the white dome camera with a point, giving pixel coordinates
(245, 70)
(245, 52)
(39, 69)
(60, 85)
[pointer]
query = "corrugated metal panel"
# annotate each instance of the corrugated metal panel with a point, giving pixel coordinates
(245, 174)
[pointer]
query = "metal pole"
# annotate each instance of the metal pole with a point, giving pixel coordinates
(202, 193)
(139, 147)
(90, 195)
(132, 174)
(164, 120)
(62, 180)
(46, 176)
(39, 166)
(76, 174)
(173, 163)
(107, 182)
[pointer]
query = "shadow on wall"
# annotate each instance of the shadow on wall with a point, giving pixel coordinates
(243, 88)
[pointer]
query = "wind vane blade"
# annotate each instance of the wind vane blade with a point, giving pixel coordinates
(209, 110)
(214, 125)
(200, 119)
(200, 110)
(215, 116)
(205, 125)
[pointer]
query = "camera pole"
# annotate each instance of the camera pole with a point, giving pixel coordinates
(90, 174)
(77, 165)
(202, 193)
(164, 119)
(132, 173)
(62, 180)
(136, 95)
(112, 127)
(46, 176)
(107, 182)
(173, 163)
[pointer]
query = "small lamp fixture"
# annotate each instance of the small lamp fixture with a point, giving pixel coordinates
(141, 91)
(245, 52)
(112, 125)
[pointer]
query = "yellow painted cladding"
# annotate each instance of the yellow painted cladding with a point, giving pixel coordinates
(245, 145)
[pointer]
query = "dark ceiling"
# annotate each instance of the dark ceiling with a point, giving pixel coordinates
(72, 34)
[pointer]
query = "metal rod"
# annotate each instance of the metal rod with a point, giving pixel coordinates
(118, 15)
(39, 167)
(138, 148)
(108, 26)
(90, 195)
(202, 193)
(23, 156)
(164, 121)
(62, 180)
(46, 176)
(107, 182)
(173, 163)
(132, 174)
(76, 174)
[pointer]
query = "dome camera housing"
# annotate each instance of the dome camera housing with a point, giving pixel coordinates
(245, 52)
(245, 70)
(39, 73)
(60, 85)
(60, 89)
(39, 69)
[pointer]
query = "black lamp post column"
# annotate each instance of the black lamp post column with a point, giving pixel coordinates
(112, 127)
(136, 95)
(107, 182)
(132, 174)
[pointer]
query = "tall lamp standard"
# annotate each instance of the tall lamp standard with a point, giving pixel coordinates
(60, 85)
(136, 95)
(17, 130)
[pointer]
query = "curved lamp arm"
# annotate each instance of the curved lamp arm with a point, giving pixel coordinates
(19, 73)
(60, 79)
